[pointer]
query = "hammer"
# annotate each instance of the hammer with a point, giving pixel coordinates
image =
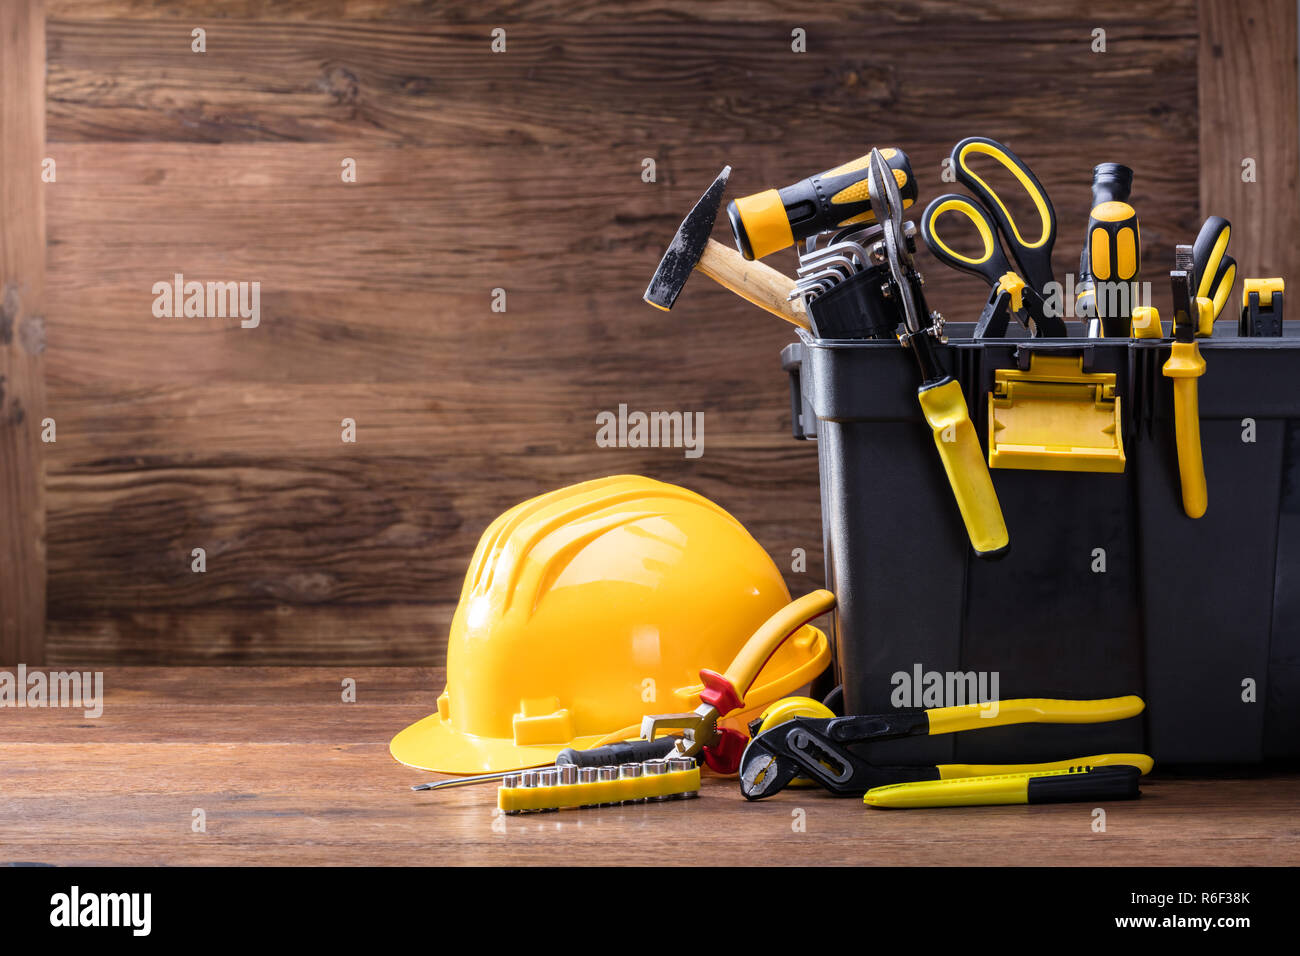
(692, 249)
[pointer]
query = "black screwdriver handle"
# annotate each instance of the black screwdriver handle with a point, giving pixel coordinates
(625, 751)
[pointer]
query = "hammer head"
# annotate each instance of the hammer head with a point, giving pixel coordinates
(687, 246)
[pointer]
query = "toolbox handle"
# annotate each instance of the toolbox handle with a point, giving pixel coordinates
(792, 363)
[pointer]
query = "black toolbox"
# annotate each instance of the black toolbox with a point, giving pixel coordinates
(1108, 587)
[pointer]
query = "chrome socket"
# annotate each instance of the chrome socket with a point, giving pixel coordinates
(609, 773)
(548, 778)
(655, 768)
(631, 771)
(682, 763)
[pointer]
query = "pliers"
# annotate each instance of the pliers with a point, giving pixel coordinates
(721, 748)
(827, 750)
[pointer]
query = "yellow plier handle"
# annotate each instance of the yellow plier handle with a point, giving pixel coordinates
(1032, 710)
(727, 691)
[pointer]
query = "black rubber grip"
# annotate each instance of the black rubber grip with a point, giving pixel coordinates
(625, 751)
(1118, 782)
(1111, 182)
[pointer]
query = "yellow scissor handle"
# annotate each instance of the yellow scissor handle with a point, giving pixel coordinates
(951, 771)
(1033, 254)
(989, 263)
(963, 460)
(1032, 710)
(744, 669)
(987, 147)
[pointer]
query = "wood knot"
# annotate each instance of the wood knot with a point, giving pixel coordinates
(31, 334)
(10, 304)
(340, 83)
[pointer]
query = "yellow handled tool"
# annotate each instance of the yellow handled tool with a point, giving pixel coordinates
(725, 693)
(1082, 781)
(940, 395)
(945, 410)
(1185, 365)
(1112, 254)
(775, 219)
(1021, 290)
(1030, 710)
(832, 752)
(1215, 271)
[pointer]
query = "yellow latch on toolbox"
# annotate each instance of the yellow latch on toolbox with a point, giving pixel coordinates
(1055, 417)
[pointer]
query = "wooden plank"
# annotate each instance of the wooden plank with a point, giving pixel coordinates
(380, 544)
(107, 630)
(672, 87)
(584, 11)
(116, 230)
(22, 334)
(1249, 101)
(287, 774)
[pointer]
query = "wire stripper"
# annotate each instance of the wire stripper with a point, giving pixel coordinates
(828, 751)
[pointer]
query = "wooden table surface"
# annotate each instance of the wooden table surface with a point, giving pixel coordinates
(285, 772)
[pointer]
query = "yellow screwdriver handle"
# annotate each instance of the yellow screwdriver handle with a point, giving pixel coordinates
(968, 473)
(1032, 710)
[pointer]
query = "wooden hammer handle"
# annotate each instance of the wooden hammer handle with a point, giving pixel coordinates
(759, 283)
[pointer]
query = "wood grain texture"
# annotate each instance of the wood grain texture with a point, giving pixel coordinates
(477, 171)
(1250, 109)
(583, 11)
(22, 334)
(288, 774)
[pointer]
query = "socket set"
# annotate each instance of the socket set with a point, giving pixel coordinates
(567, 786)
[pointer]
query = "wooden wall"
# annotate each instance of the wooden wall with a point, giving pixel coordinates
(477, 171)
(22, 332)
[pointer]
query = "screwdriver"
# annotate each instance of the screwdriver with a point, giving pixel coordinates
(624, 751)
(1111, 251)
(775, 219)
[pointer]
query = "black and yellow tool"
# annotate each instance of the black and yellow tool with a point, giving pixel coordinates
(1261, 307)
(567, 786)
(1072, 785)
(829, 752)
(1214, 271)
(692, 249)
(776, 219)
(940, 395)
(1023, 293)
(1112, 255)
(1192, 315)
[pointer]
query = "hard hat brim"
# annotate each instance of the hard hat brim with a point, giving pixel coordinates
(433, 744)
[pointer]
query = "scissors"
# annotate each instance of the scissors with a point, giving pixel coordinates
(1019, 290)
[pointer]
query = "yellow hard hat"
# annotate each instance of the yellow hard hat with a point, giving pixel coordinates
(587, 608)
